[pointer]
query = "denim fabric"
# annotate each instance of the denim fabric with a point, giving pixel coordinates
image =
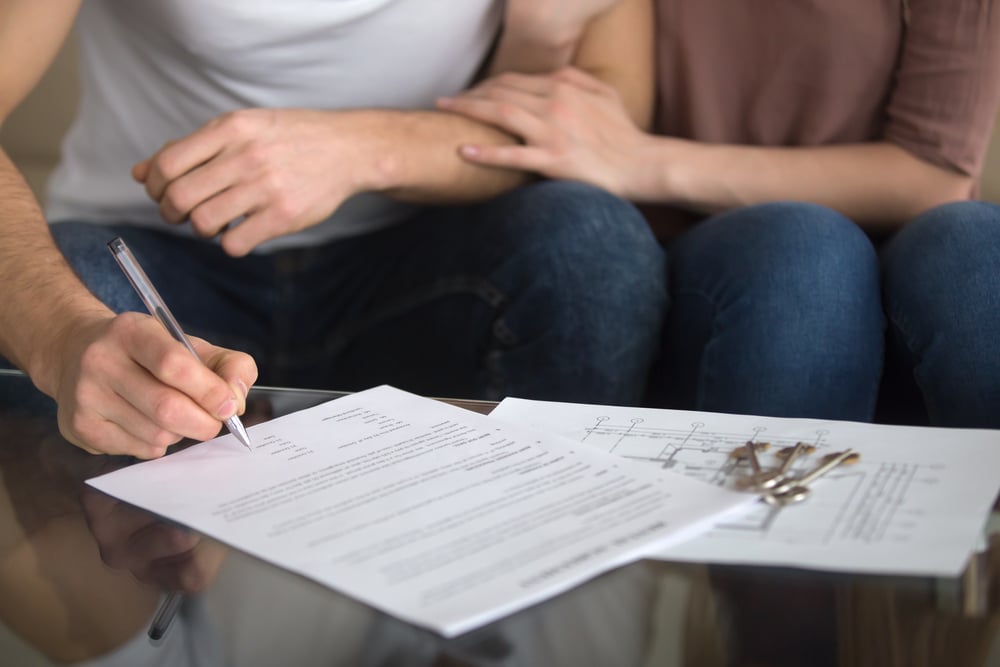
(942, 296)
(775, 311)
(552, 291)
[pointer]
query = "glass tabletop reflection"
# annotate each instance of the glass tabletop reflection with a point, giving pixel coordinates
(78, 586)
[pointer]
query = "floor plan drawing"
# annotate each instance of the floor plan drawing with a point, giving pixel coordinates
(915, 501)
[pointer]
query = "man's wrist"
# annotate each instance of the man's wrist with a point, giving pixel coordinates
(45, 359)
(378, 137)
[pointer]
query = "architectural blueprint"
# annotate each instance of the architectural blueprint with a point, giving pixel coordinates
(914, 503)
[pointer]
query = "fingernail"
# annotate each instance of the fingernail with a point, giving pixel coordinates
(469, 151)
(242, 387)
(227, 409)
(444, 101)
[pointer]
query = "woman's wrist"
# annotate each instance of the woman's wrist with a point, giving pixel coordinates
(650, 172)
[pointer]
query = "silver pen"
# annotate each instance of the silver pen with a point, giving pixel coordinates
(158, 309)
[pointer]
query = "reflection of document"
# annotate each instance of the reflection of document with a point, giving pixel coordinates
(430, 512)
(915, 503)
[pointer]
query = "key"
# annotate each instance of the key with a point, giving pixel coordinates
(796, 490)
(772, 478)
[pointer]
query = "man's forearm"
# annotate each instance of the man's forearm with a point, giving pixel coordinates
(41, 294)
(414, 156)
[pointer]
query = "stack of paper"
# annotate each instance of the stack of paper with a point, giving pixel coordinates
(443, 517)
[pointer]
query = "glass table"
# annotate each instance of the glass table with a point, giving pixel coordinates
(67, 594)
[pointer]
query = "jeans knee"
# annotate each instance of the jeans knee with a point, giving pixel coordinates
(812, 238)
(588, 215)
(947, 245)
(564, 259)
(587, 284)
(942, 288)
(581, 239)
(784, 251)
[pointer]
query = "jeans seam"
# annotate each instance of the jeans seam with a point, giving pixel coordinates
(900, 323)
(700, 383)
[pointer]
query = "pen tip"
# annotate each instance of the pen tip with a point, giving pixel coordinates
(236, 428)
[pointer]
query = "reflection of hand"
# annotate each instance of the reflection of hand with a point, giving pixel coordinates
(280, 170)
(154, 551)
(572, 125)
(127, 387)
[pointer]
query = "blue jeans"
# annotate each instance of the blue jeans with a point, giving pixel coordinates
(775, 311)
(942, 297)
(551, 291)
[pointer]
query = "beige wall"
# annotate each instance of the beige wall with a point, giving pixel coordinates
(31, 135)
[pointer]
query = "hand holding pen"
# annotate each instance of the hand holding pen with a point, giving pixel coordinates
(124, 386)
(158, 309)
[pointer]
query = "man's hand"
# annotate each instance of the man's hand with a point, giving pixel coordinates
(572, 126)
(257, 174)
(155, 552)
(127, 387)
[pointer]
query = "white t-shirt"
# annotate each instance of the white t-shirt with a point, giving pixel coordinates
(156, 70)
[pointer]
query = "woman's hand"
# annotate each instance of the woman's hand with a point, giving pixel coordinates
(572, 126)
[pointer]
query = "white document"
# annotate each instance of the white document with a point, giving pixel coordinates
(435, 514)
(915, 503)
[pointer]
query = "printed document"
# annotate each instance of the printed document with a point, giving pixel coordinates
(915, 502)
(440, 516)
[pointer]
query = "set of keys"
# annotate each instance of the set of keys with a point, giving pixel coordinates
(777, 486)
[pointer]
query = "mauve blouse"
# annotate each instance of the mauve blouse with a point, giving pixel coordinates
(923, 74)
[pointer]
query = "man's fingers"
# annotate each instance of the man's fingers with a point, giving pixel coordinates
(129, 414)
(140, 171)
(181, 156)
(180, 395)
(96, 434)
(194, 399)
(238, 369)
(194, 188)
(210, 217)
